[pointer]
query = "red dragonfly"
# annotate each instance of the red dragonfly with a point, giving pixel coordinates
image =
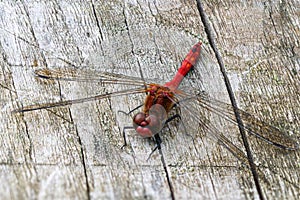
(161, 99)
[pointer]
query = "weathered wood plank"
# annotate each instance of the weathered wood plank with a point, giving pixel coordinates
(75, 151)
(260, 47)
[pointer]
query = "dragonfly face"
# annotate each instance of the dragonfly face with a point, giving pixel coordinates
(158, 104)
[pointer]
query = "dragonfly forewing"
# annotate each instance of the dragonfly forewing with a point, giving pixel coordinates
(81, 75)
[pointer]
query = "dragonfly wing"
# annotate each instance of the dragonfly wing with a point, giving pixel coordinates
(81, 75)
(202, 117)
(81, 100)
(253, 125)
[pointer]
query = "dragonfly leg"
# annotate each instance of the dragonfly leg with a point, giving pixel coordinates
(121, 111)
(158, 145)
(157, 137)
(124, 135)
(173, 117)
(127, 127)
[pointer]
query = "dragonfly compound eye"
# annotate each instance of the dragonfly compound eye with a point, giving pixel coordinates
(138, 119)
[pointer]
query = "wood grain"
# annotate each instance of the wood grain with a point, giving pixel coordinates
(75, 151)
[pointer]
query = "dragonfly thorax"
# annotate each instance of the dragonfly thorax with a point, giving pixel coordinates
(158, 104)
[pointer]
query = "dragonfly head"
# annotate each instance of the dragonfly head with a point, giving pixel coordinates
(145, 125)
(149, 124)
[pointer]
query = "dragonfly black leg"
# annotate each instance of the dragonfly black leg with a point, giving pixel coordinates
(158, 145)
(127, 127)
(179, 117)
(158, 141)
(121, 111)
(184, 127)
(172, 118)
(157, 138)
(124, 135)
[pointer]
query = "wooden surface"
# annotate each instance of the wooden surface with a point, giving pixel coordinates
(74, 152)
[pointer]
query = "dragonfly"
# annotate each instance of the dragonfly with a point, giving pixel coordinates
(161, 99)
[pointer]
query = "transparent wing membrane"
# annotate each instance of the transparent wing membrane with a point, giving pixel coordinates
(76, 101)
(71, 74)
(252, 124)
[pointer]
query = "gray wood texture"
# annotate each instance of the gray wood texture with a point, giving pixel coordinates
(74, 152)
